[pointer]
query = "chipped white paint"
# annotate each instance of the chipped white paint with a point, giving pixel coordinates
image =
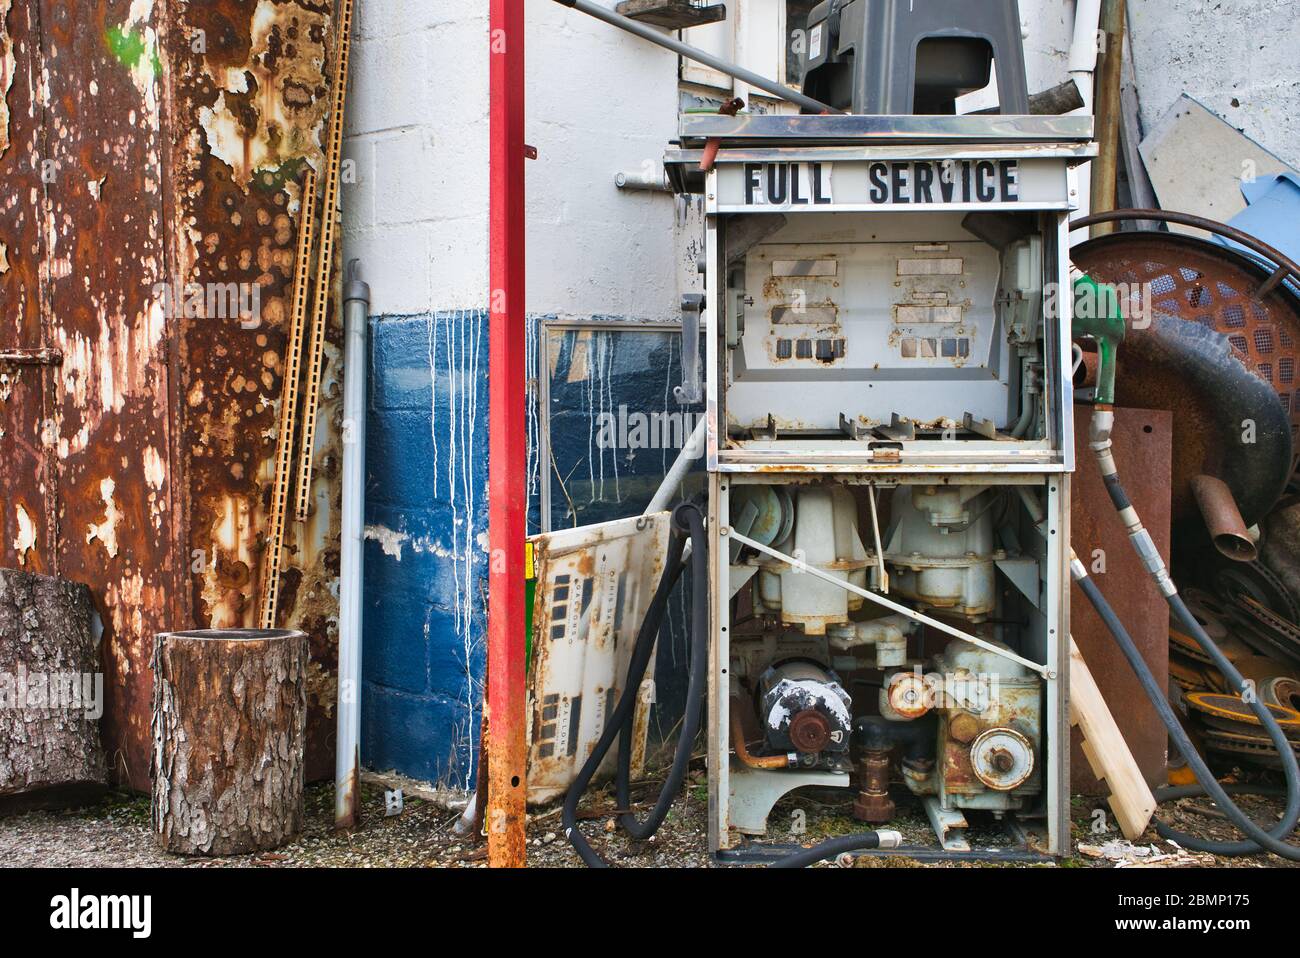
(285, 130)
(106, 531)
(390, 541)
(155, 470)
(139, 19)
(26, 537)
(7, 67)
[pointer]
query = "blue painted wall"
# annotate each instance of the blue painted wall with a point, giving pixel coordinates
(425, 551)
(426, 513)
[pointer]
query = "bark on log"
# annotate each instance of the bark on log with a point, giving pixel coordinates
(229, 720)
(51, 692)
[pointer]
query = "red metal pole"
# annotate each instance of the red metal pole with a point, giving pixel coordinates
(507, 447)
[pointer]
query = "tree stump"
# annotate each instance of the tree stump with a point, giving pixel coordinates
(229, 723)
(51, 693)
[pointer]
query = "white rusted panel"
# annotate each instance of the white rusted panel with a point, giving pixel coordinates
(594, 585)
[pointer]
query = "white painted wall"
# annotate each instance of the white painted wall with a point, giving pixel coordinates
(417, 129)
(1237, 57)
(599, 101)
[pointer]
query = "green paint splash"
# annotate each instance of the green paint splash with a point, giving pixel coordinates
(127, 47)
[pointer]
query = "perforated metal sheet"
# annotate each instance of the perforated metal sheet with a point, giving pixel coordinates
(1205, 283)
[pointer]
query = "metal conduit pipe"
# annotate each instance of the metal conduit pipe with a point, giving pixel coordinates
(741, 747)
(347, 756)
(699, 56)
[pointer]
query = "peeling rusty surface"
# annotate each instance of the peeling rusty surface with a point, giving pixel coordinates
(27, 475)
(1143, 446)
(250, 105)
(104, 254)
(149, 146)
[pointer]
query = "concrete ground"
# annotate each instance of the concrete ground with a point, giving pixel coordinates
(116, 833)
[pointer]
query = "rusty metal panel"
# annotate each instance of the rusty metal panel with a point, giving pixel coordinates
(104, 256)
(27, 476)
(250, 98)
(155, 150)
(1143, 446)
(594, 585)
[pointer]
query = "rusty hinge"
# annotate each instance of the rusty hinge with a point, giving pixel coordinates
(31, 357)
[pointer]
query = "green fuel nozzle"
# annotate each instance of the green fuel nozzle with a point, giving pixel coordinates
(1098, 316)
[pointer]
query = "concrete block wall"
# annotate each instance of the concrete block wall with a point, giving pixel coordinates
(1237, 58)
(415, 215)
(426, 545)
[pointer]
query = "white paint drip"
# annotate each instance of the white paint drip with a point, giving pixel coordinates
(461, 335)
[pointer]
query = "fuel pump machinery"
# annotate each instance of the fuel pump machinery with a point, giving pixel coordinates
(886, 379)
(882, 603)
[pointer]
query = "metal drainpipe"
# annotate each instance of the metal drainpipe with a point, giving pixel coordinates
(347, 757)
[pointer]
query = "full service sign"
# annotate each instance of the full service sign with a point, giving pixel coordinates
(889, 183)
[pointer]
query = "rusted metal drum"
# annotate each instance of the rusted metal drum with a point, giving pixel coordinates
(1220, 352)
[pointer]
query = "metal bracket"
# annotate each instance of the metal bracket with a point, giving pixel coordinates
(853, 429)
(898, 430)
(947, 824)
(691, 390)
(981, 427)
(766, 432)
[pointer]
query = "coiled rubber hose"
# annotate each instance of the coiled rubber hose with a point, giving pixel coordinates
(1258, 840)
(687, 524)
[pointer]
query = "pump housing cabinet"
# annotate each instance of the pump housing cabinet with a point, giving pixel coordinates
(890, 440)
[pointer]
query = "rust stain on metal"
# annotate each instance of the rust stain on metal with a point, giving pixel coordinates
(258, 95)
(142, 464)
(1143, 440)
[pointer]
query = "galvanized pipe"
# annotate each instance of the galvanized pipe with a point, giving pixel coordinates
(1223, 519)
(347, 756)
(699, 56)
(692, 451)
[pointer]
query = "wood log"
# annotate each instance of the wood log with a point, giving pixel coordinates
(229, 723)
(51, 693)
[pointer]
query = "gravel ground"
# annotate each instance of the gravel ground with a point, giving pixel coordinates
(116, 833)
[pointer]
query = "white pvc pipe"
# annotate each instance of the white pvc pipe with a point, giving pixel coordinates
(1083, 48)
(1084, 51)
(347, 757)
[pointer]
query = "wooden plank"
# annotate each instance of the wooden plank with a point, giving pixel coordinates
(1107, 752)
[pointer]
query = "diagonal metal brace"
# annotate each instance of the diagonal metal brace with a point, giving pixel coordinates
(890, 604)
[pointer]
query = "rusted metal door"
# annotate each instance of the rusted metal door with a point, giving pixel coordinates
(27, 519)
(147, 150)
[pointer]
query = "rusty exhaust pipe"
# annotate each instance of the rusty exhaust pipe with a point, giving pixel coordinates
(1223, 519)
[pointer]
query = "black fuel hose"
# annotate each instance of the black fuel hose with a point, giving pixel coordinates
(1258, 840)
(1209, 785)
(696, 691)
(624, 712)
(687, 524)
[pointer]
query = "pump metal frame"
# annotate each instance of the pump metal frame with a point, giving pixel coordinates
(1046, 465)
